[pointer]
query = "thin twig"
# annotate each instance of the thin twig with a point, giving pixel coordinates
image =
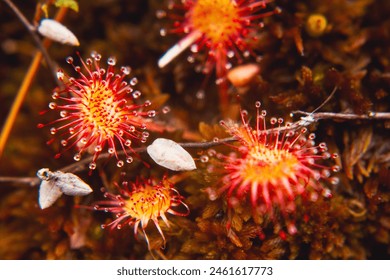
(22, 92)
(206, 145)
(21, 181)
(83, 164)
(36, 38)
(346, 116)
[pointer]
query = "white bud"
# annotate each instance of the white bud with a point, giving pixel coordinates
(171, 155)
(57, 32)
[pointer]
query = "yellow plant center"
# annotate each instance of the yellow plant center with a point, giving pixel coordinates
(218, 20)
(148, 203)
(265, 165)
(99, 109)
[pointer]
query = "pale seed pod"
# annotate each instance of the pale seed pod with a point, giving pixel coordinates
(54, 184)
(55, 31)
(48, 194)
(171, 155)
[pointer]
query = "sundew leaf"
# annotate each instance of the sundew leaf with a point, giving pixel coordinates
(71, 4)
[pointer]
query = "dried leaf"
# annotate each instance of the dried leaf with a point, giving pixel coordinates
(355, 149)
(209, 132)
(171, 155)
(234, 238)
(210, 210)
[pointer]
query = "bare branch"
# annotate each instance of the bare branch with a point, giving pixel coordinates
(206, 145)
(20, 181)
(36, 38)
(346, 116)
(83, 164)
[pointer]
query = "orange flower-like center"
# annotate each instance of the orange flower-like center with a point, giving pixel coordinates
(148, 203)
(268, 165)
(218, 20)
(100, 109)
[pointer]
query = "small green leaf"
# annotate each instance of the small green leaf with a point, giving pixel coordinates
(71, 4)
